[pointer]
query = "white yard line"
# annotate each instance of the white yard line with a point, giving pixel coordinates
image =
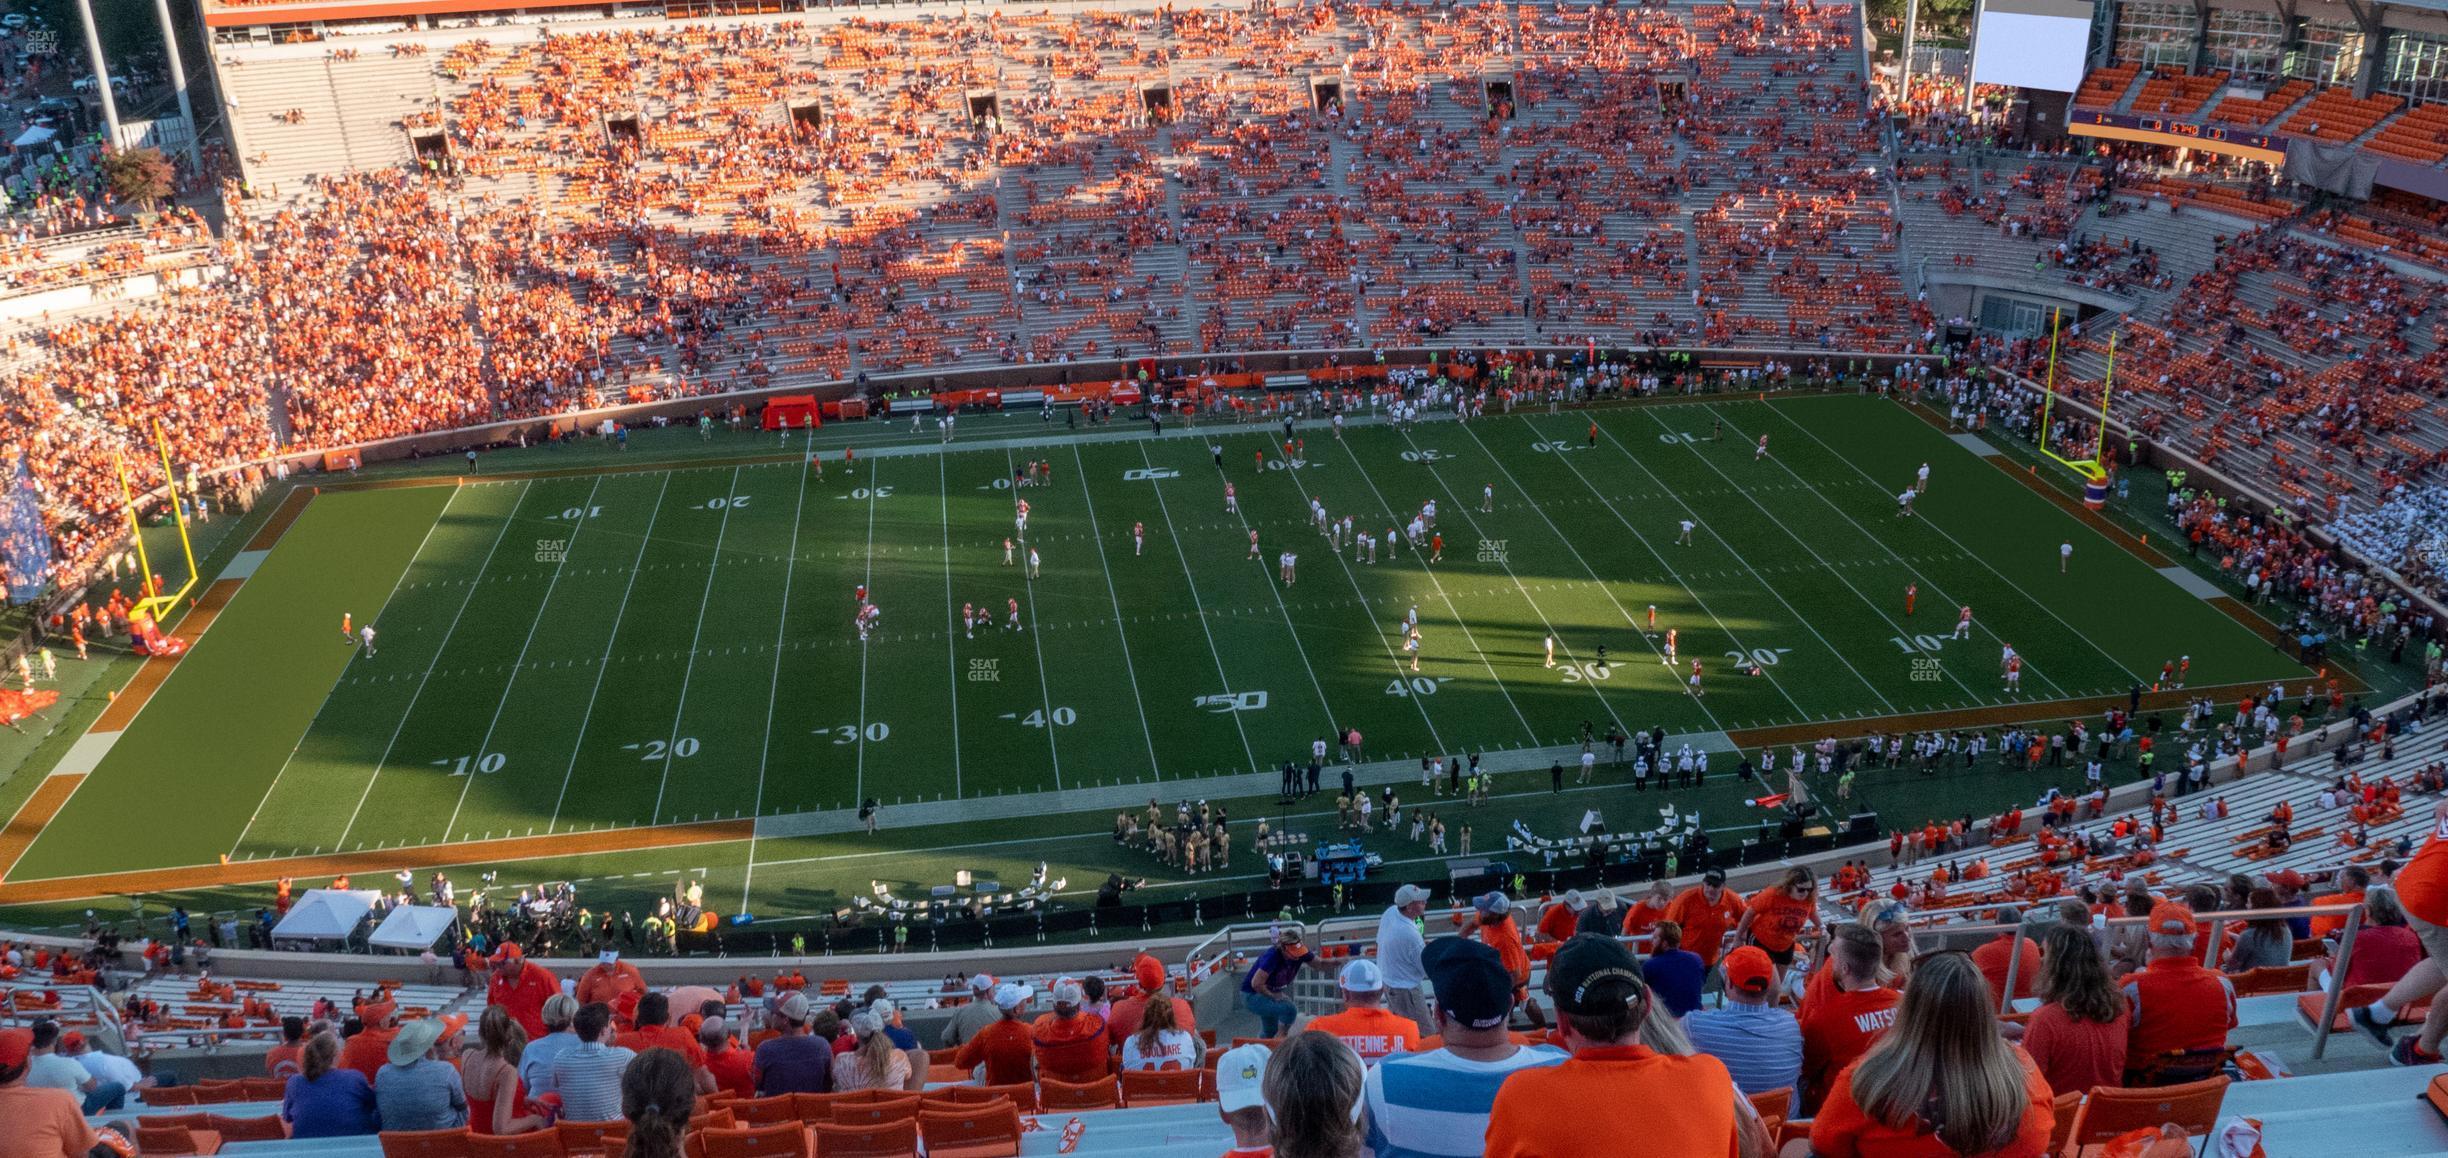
(952, 665)
(696, 636)
(1079, 470)
(604, 663)
(396, 584)
(1762, 580)
(1036, 640)
(858, 783)
(2052, 613)
(1941, 596)
(1463, 509)
(1400, 520)
(474, 582)
(1833, 570)
(773, 687)
(1368, 611)
(502, 702)
(1199, 607)
(1565, 458)
(1700, 701)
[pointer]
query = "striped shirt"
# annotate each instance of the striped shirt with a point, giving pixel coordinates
(1760, 1045)
(1435, 1104)
(588, 1077)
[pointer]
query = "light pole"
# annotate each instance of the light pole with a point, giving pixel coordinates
(93, 55)
(178, 77)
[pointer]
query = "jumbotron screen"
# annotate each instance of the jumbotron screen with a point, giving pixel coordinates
(2032, 43)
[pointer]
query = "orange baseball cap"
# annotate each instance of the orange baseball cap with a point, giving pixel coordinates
(509, 951)
(2171, 918)
(16, 1045)
(1749, 970)
(374, 1011)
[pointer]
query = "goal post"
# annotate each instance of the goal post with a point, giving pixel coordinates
(156, 603)
(2093, 470)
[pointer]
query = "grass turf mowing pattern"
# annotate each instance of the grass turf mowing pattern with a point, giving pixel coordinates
(192, 766)
(599, 651)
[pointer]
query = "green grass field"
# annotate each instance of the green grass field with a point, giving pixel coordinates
(604, 650)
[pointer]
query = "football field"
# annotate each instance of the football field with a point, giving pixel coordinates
(599, 652)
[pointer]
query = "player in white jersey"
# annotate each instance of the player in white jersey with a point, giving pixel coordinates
(968, 621)
(1487, 497)
(1371, 542)
(1411, 643)
(1138, 538)
(366, 634)
(2006, 655)
(1685, 537)
(1904, 502)
(1551, 650)
(1007, 551)
(1670, 647)
(1963, 623)
(1921, 479)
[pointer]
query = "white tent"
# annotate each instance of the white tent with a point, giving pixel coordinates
(326, 915)
(34, 135)
(414, 928)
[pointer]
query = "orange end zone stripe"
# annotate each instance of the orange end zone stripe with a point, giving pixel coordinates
(49, 796)
(282, 515)
(156, 669)
(386, 861)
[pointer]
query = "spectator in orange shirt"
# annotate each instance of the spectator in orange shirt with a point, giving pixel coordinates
(1839, 1025)
(1943, 1053)
(655, 1031)
(1706, 911)
(1364, 1023)
(1606, 1097)
(1643, 917)
(733, 1068)
(369, 1051)
(1779, 914)
(1557, 923)
(2079, 1037)
(1492, 917)
(284, 1059)
(522, 987)
(2177, 1005)
(2351, 882)
(609, 979)
(1070, 1041)
(1006, 1048)
(1993, 957)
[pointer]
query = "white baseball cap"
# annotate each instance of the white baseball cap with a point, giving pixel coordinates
(1409, 895)
(1011, 995)
(1241, 1077)
(1361, 975)
(981, 983)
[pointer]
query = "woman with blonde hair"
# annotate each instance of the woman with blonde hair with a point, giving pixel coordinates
(1312, 1085)
(1943, 1075)
(494, 1095)
(875, 1063)
(658, 1093)
(1160, 1043)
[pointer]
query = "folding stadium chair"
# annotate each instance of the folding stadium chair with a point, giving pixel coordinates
(2068, 1105)
(425, 1143)
(533, 1144)
(884, 1140)
(1019, 1094)
(986, 1130)
(1160, 1087)
(1775, 1103)
(864, 1113)
(2109, 1111)
(718, 1118)
(787, 1140)
(2271, 979)
(170, 1096)
(2177, 1067)
(264, 1089)
(946, 1075)
(771, 1111)
(268, 1128)
(153, 1141)
(219, 1093)
(198, 1121)
(591, 1138)
(1055, 1096)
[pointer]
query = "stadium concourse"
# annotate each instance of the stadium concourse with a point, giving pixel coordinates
(430, 221)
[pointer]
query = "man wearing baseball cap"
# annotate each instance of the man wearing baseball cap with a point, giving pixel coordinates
(366, 1051)
(1435, 1104)
(975, 1014)
(1612, 1084)
(522, 987)
(795, 1062)
(42, 1122)
(1149, 975)
(608, 979)
(2177, 1005)
(1364, 1023)
(1006, 1048)
(1071, 1041)
(1400, 941)
(1241, 1099)
(1492, 920)
(1760, 1044)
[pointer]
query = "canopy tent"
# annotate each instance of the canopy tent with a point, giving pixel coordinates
(32, 136)
(414, 928)
(326, 915)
